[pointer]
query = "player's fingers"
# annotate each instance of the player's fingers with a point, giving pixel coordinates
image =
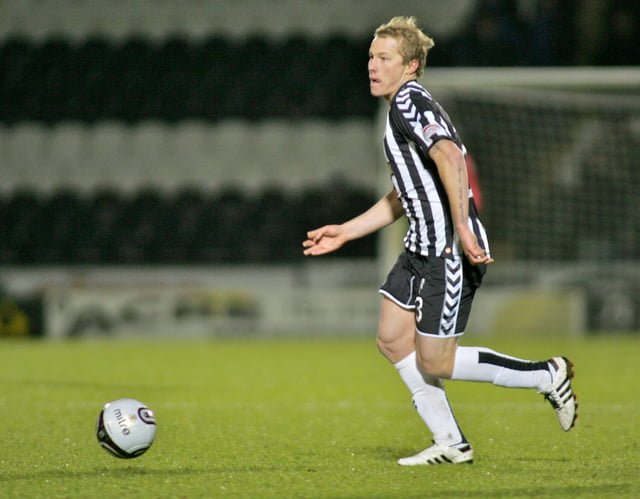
(479, 256)
(484, 258)
(316, 234)
(314, 251)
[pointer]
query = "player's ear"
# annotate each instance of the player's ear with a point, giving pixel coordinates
(412, 67)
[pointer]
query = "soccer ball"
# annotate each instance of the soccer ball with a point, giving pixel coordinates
(126, 428)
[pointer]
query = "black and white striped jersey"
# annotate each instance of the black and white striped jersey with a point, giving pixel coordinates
(414, 123)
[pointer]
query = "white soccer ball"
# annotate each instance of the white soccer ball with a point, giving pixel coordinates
(126, 428)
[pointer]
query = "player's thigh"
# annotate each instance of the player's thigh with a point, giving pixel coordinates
(396, 330)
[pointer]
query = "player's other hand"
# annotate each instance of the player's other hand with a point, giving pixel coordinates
(474, 252)
(324, 240)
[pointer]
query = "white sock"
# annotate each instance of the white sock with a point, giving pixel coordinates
(483, 364)
(430, 400)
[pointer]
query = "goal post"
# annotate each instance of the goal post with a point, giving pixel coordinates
(557, 154)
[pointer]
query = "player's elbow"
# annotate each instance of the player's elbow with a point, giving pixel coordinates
(446, 152)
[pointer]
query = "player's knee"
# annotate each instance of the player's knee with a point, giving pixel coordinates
(394, 348)
(436, 367)
(386, 348)
(382, 346)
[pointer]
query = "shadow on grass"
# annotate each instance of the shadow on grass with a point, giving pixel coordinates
(467, 488)
(475, 489)
(604, 490)
(137, 471)
(394, 453)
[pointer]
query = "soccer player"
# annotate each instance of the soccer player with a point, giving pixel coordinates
(427, 295)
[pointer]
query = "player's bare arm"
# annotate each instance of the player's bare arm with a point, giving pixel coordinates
(453, 171)
(330, 238)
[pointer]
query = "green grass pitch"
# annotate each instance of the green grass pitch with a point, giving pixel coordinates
(314, 418)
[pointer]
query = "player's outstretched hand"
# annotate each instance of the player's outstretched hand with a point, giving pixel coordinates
(324, 240)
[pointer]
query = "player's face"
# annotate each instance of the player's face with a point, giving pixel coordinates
(387, 70)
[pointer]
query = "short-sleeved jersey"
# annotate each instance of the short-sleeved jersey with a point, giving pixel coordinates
(415, 122)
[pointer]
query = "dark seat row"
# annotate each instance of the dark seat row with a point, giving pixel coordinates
(190, 226)
(180, 78)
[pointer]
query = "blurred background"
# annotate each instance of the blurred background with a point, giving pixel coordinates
(161, 162)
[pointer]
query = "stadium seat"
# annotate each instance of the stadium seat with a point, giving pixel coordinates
(137, 79)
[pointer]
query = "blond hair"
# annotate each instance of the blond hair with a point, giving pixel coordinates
(414, 43)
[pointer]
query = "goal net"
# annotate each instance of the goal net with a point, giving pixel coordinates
(557, 155)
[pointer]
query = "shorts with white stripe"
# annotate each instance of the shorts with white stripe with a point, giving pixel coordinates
(440, 290)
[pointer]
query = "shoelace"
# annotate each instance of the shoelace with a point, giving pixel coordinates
(558, 398)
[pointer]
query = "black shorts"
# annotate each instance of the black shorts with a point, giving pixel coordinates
(440, 290)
